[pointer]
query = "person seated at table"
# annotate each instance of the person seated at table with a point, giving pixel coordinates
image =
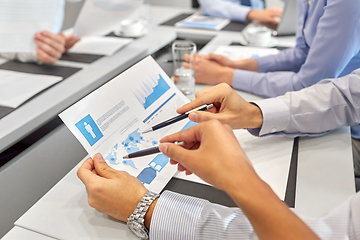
(49, 45)
(242, 10)
(327, 46)
(212, 152)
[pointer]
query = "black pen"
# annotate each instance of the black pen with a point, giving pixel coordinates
(171, 61)
(176, 119)
(146, 152)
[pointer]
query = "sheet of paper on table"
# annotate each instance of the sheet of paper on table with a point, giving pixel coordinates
(21, 19)
(111, 119)
(236, 53)
(17, 87)
(100, 45)
(270, 157)
(100, 17)
(197, 20)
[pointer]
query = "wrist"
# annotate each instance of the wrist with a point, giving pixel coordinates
(253, 187)
(248, 64)
(226, 75)
(251, 15)
(256, 117)
(149, 213)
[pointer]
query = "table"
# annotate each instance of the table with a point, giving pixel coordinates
(334, 156)
(19, 233)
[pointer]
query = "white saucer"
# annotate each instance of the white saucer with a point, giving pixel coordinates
(122, 34)
(272, 43)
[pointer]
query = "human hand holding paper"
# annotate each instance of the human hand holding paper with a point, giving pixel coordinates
(113, 192)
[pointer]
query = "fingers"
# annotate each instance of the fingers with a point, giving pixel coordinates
(213, 95)
(188, 136)
(44, 57)
(102, 168)
(70, 41)
(201, 98)
(276, 11)
(199, 117)
(86, 172)
(215, 57)
(50, 46)
(176, 153)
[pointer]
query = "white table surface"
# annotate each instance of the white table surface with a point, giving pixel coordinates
(19, 233)
(68, 197)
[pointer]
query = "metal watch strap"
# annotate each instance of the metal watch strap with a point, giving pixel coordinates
(142, 207)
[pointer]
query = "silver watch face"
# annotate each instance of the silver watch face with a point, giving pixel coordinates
(138, 229)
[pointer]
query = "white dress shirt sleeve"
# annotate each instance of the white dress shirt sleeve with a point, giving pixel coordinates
(327, 105)
(22, 57)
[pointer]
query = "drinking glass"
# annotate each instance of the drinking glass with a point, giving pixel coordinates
(183, 71)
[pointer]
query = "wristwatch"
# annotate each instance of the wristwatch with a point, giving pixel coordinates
(136, 220)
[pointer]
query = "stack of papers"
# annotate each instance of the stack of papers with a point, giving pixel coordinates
(200, 21)
(16, 87)
(237, 53)
(100, 45)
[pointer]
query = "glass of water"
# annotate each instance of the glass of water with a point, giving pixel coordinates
(183, 72)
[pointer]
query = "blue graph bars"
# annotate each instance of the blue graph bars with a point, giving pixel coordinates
(151, 90)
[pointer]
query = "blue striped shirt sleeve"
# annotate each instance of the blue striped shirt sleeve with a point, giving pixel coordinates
(178, 216)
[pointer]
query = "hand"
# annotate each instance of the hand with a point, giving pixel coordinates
(69, 41)
(207, 71)
(50, 46)
(229, 108)
(113, 192)
(212, 152)
(245, 64)
(270, 16)
(224, 61)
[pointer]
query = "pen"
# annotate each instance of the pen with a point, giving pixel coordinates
(146, 152)
(176, 119)
(171, 61)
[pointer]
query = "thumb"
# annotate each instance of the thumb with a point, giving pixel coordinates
(215, 57)
(175, 152)
(102, 168)
(201, 116)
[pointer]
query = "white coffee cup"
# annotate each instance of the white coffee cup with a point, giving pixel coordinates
(132, 28)
(258, 36)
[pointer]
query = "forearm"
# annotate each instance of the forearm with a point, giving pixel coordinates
(247, 64)
(269, 216)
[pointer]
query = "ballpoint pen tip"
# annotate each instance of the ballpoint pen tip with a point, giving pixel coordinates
(146, 131)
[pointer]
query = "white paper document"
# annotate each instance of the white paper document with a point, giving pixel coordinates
(21, 19)
(17, 87)
(99, 17)
(100, 45)
(237, 53)
(111, 120)
(198, 20)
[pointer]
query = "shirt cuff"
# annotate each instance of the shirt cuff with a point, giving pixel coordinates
(242, 80)
(241, 13)
(175, 216)
(276, 116)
